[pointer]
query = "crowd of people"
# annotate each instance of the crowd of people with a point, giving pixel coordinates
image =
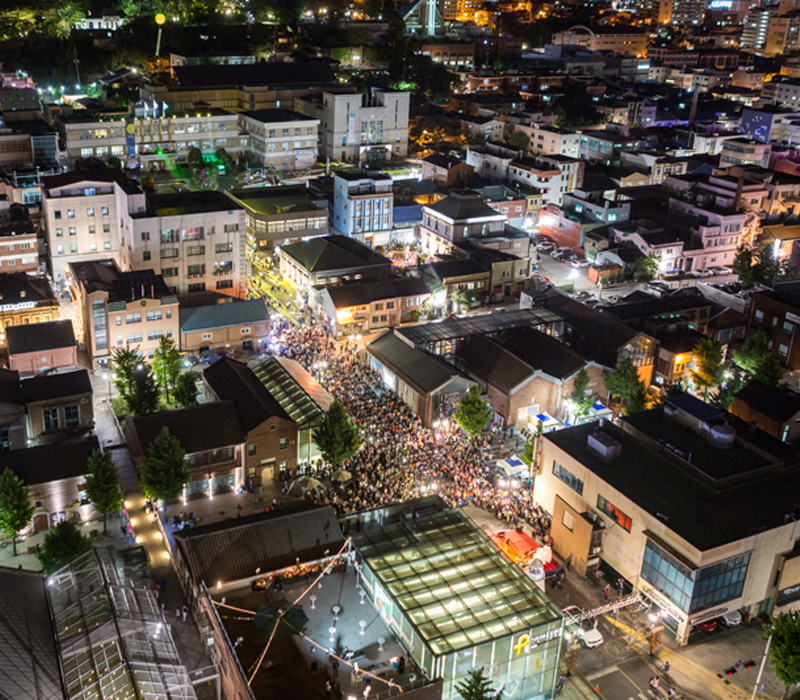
(400, 458)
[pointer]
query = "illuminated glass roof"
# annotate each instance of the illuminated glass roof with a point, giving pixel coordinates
(450, 581)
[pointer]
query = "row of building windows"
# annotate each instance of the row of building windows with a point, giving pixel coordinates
(74, 248)
(90, 211)
(73, 231)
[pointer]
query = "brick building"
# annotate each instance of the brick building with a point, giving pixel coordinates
(42, 347)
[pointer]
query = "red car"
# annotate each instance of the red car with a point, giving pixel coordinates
(707, 626)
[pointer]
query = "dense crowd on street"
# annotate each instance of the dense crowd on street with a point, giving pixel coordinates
(400, 458)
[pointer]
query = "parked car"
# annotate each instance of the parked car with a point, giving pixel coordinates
(692, 274)
(732, 618)
(707, 625)
(704, 272)
(585, 630)
(558, 252)
(658, 289)
(722, 270)
(545, 246)
(580, 262)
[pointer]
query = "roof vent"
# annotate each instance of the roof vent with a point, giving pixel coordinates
(722, 436)
(606, 447)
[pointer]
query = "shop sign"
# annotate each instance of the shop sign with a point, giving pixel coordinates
(710, 614)
(794, 318)
(18, 307)
(526, 642)
(788, 595)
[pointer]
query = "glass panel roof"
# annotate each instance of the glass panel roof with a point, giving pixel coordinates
(451, 582)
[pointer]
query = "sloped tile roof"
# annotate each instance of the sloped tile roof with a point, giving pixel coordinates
(200, 318)
(36, 337)
(56, 386)
(332, 253)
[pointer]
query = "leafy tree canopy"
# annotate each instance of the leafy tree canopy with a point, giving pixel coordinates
(709, 371)
(646, 268)
(337, 437)
(102, 484)
(62, 544)
(784, 649)
(186, 390)
(476, 686)
(16, 508)
(624, 382)
(756, 359)
(164, 470)
(472, 413)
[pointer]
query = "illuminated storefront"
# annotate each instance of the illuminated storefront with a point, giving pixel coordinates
(456, 602)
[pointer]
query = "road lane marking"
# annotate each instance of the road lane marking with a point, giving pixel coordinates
(602, 673)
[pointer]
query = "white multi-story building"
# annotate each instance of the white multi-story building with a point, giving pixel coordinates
(363, 207)
(360, 128)
(550, 141)
(281, 139)
(194, 240)
(553, 175)
(151, 136)
(85, 214)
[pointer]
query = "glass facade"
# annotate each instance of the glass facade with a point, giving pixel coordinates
(457, 603)
(693, 591)
(568, 478)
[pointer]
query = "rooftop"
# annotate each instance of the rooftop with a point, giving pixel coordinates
(360, 293)
(19, 287)
(425, 371)
(105, 276)
(207, 426)
(464, 208)
(298, 393)
(456, 589)
(317, 73)
(51, 462)
(187, 202)
(270, 116)
(56, 386)
(778, 402)
(327, 253)
(234, 549)
(707, 515)
(275, 200)
(37, 337)
(235, 313)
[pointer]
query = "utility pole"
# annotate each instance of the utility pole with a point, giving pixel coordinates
(761, 670)
(76, 61)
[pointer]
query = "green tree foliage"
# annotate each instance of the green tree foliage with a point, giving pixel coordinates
(755, 358)
(519, 140)
(624, 382)
(460, 298)
(16, 508)
(194, 158)
(62, 544)
(760, 266)
(646, 268)
(144, 395)
(337, 437)
(164, 470)
(580, 399)
(477, 139)
(784, 650)
(472, 413)
(123, 363)
(709, 371)
(186, 390)
(166, 365)
(640, 401)
(476, 686)
(527, 453)
(102, 484)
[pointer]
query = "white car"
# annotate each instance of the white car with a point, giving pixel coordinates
(693, 274)
(732, 618)
(704, 272)
(545, 247)
(580, 262)
(585, 630)
(561, 251)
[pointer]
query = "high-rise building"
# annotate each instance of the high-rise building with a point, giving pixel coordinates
(681, 13)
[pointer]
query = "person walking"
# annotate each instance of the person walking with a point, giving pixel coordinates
(569, 562)
(560, 685)
(327, 690)
(606, 592)
(178, 614)
(185, 612)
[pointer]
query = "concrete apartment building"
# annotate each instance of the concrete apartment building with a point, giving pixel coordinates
(112, 308)
(280, 139)
(19, 247)
(194, 240)
(686, 502)
(363, 206)
(550, 141)
(604, 39)
(743, 151)
(360, 128)
(152, 135)
(776, 312)
(85, 214)
(553, 175)
(278, 216)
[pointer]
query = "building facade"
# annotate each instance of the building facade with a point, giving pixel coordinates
(362, 207)
(280, 139)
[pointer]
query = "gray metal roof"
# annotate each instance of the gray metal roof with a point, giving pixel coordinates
(200, 318)
(236, 551)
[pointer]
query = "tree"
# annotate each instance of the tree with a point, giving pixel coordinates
(460, 298)
(62, 544)
(164, 470)
(337, 436)
(624, 382)
(755, 358)
(580, 400)
(194, 159)
(784, 649)
(123, 363)
(639, 401)
(186, 390)
(472, 413)
(144, 395)
(646, 268)
(16, 509)
(166, 364)
(478, 139)
(709, 365)
(527, 453)
(519, 140)
(102, 484)
(477, 686)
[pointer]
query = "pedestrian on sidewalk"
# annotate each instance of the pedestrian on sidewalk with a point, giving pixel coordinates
(606, 592)
(560, 685)
(569, 562)
(178, 614)
(327, 690)
(185, 612)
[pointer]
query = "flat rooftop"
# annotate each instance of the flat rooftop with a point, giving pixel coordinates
(705, 513)
(275, 200)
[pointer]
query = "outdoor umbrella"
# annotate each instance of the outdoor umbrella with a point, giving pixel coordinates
(290, 618)
(307, 483)
(341, 475)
